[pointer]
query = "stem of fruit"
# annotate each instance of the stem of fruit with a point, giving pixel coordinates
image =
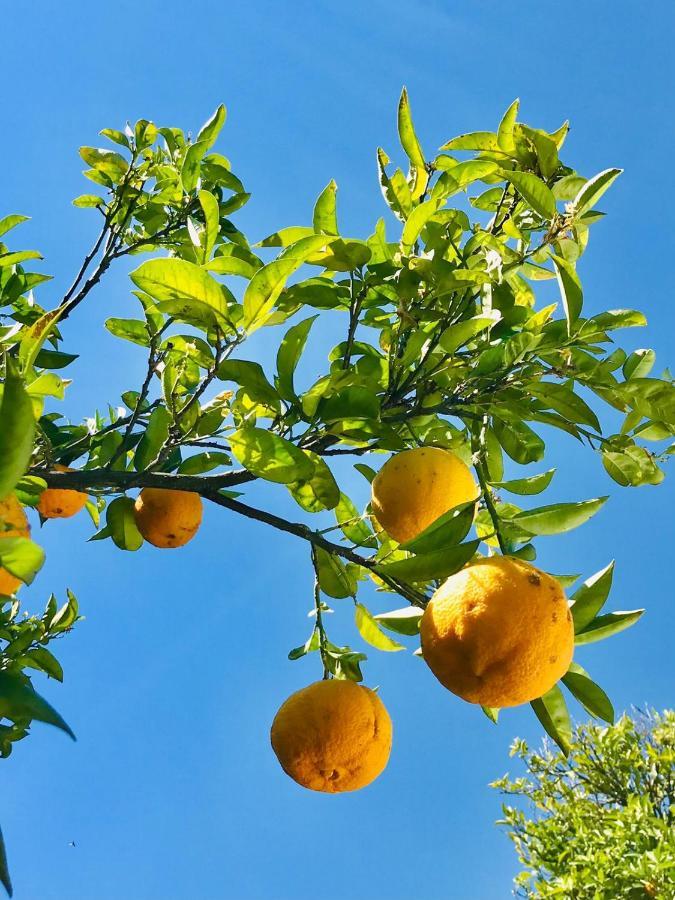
(479, 449)
(319, 617)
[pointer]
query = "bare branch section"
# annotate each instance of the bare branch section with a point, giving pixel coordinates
(209, 487)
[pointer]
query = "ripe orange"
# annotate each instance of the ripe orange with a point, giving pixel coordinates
(60, 503)
(498, 633)
(332, 736)
(168, 518)
(415, 487)
(13, 523)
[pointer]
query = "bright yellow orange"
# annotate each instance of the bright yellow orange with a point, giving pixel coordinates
(415, 487)
(332, 736)
(60, 503)
(168, 518)
(13, 523)
(498, 633)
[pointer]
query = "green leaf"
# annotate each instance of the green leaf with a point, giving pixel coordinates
(552, 712)
(447, 531)
(269, 456)
(211, 211)
(557, 518)
(455, 336)
(334, 579)
(267, 284)
(354, 527)
(325, 215)
(590, 597)
(40, 658)
(4, 868)
(416, 221)
(88, 201)
(570, 289)
(563, 400)
(367, 471)
(536, 194)
(204, 462)
(133, 330)
(249, 375)
(535, 484)
(475, 140)
(320, 491)
(17, 429)
(371, 632)
(210, 130)
(428, 566)
(411, 145)
(505, 130)
(181, 288)
(311, 644)
(19, 256)
(153, 439)
(21, 557)
(288, 356)
(591, 696)
(402, 621)
(519, 441)
(492, 712)
(189, 173)
(639, 364)
(35, 336)
(122, 524)
(9, 222)
(630, 465)
(19, 701)
(591, 192)
(605, 626)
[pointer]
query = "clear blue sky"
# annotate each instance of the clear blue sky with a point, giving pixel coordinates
(172, 792)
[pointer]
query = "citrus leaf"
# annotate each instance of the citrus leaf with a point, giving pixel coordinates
(269, 456)
(325, 214)
(536, 194)
(591, 696)
(21, 557)
(535, 484)
(122, 524)
(428, 566)
(605, 626)
(570, 289)
(447, 531)
(591, 192)
(288, 356)
(411, 145)
(558, 517)
(19, 701)
(334, 578)
(17, 429)
(401, 621)
(552, 712)
(371, 632)
(590, 597)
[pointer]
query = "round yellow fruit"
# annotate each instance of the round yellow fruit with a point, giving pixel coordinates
(415, 487)
(168, 518)
(60, 503)
(13, 523)
(499, 632)
(332, 736)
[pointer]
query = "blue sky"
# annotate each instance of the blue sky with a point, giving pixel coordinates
(172, 681)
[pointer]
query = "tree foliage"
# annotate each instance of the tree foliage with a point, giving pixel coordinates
(440, 342)
(599, 823)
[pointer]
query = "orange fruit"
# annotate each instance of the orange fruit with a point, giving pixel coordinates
(499, 632)
(168, 518)
(60, 503)
(415, 487)
(332, 736)
(13, 523)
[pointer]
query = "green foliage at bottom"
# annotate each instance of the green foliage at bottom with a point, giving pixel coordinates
(600, 823)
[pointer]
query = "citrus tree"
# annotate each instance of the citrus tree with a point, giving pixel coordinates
(599, 823)
(443, 358)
